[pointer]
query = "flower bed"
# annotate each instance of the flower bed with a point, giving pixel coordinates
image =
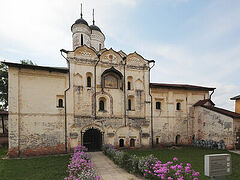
(150, 167)
(81, 167)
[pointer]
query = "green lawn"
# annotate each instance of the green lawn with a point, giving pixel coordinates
(42, 168)
(194, 156)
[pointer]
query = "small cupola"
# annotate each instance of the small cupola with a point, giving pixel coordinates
(81, 32)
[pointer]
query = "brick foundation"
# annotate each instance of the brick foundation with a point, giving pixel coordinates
(13, 152)
(46, 150)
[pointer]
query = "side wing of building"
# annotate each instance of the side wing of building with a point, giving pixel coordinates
(36, 119)
(172, 111)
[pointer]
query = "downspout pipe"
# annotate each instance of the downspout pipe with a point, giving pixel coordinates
(124, 92)
(95, 86)
(151, 61)
(65, 98)
(211, 94)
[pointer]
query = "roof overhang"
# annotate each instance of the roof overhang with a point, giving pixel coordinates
(35, 67)
(181, 86)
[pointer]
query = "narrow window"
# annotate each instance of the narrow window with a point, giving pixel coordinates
(177, 139)
(100, 47)
(81, 39)
(101, 105)
(132, 142)
(158, 105)
(121, 143)
(60, 103)
(88, 81)
(129, 85)
(157, 140)
(129, 104)
(178, 107)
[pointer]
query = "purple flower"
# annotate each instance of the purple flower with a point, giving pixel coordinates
(175, 159)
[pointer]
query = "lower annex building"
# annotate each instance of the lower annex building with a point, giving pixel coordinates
(105, 96)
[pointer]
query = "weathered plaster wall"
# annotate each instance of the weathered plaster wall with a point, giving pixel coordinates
(210, 125)
(36, 124)
(169, 122)
(82, 63)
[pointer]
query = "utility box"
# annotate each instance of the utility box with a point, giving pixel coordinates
(217, 165)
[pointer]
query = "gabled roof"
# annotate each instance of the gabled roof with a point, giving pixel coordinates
(223, 111)
(45, 68)
(204, 102)
(235, 98)
(181, 86)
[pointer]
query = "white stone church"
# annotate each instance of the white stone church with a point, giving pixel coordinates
(105, 96)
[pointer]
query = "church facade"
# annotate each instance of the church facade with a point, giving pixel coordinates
(103, 97)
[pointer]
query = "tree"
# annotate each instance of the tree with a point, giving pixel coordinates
(27, 62)
(4, 83)
(3, 87)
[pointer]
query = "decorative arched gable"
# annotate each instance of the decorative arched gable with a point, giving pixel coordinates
(134, 59)
(85, 52)
(110, 56)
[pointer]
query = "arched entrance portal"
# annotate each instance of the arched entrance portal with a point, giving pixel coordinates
(92, 139)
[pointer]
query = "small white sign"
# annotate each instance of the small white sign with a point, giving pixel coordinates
(217, 165)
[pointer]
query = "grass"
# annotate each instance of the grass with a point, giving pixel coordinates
(45, 167)
(192, 155)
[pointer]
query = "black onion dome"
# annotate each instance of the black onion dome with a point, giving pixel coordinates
(94, 27)
(81, 21)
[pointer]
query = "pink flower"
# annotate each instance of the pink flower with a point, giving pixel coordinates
(170, 178)
(188, 164)
(175, 159)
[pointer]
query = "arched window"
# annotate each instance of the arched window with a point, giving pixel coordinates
(111, 78)
(121, 143)
(158, 105)
(88, 81)
(178, 106)
(129, 85)
(100, 47)
(132, 142)
(101, 105)
(129, 104)
(60, 103)
(157, 140)
(81, 39)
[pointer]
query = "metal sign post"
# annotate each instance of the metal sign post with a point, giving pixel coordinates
(217, 166)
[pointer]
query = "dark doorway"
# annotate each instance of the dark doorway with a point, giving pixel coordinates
(121, 143)
(92, 139)
(132, 142)
(177, 139)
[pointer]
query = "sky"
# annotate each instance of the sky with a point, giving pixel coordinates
(192, 41)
